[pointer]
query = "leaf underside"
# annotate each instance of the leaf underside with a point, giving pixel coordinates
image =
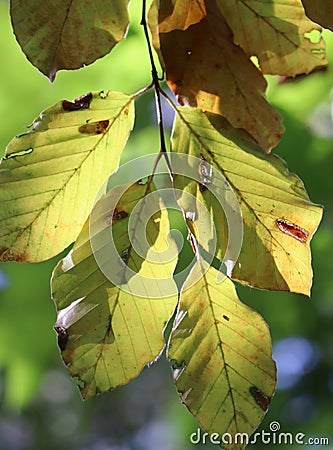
(276, 33)
(222, 357)
(67, 34)
(215, 74)
(50, 175)
(180, 14)
(270, 258)
(111, 334)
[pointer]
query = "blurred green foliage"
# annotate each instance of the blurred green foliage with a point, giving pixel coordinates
(40, 407)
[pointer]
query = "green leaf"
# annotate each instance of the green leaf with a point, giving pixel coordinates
(279, 218)
(50, 176)
(320, 12)
(222, 357)
(68, 34)
(276, 33)
(106, 331)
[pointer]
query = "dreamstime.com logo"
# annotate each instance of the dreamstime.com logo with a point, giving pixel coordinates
(273, 436)
(119, 199)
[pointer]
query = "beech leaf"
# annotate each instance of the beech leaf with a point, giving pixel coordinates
(205, 68)
(277, 33)
(108, 333)
(50, 175)
(68, 34)
(222, 358)
(279, 218)
(320, 12)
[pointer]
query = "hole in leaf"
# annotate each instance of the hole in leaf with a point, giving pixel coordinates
(143, 181)
(314, 36)
(20, 153)
(103, 94)
(318, 51)
(255, 61)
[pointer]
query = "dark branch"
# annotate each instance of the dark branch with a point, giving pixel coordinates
(157, 88)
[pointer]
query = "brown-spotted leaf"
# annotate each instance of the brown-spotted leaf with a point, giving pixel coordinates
(205, 68)
(108, 331)
(277, 32)
(222, 358)
(320, 12)
(67, 34)
(279, 218)
(49, 176)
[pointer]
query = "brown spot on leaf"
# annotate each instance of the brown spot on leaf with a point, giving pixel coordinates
(82, 102)
(94, 127)
(226, 318)
(292, 230)
(62, 335)
(7, 254)
(115, 216)
(261, 399)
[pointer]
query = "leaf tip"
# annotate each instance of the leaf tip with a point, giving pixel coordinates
(292, 229)
(51, 75)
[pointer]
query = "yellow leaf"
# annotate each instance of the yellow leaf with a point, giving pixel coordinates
(279, 218)
(50, 176)
(222, 357)
(108, 332)
(276, 32)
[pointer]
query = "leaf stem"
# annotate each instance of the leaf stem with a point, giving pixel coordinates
(158, 90)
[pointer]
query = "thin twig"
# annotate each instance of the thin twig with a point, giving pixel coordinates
(158, 90)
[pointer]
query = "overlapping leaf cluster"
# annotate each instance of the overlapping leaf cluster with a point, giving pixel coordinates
(220, 349)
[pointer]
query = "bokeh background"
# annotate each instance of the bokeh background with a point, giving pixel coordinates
(40, 408)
